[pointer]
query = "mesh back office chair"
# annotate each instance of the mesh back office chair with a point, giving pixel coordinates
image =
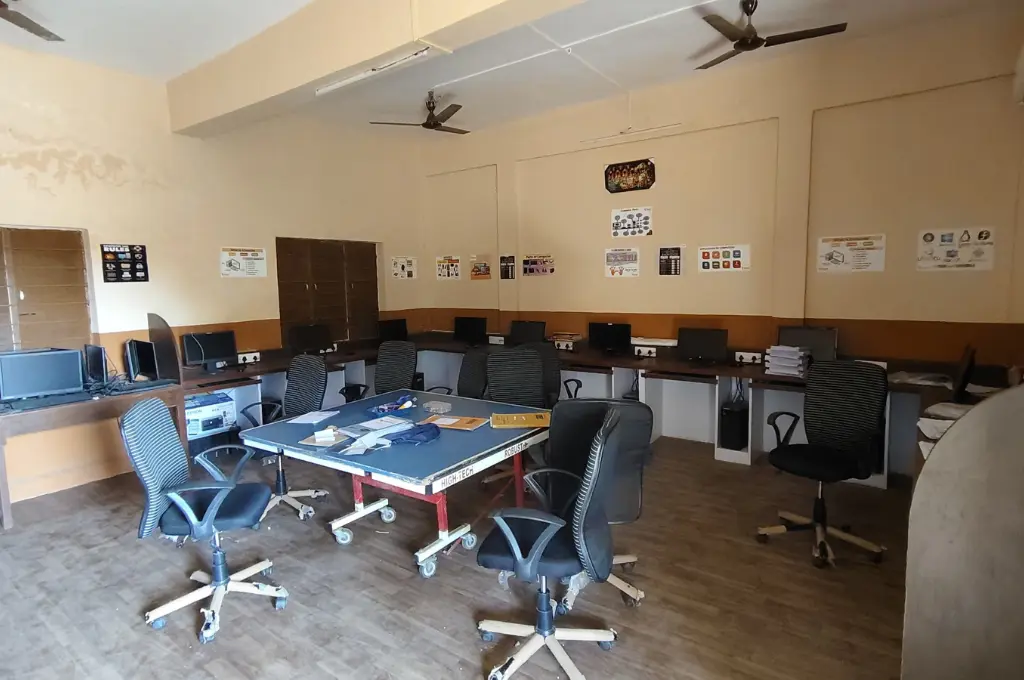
(472, 375)
(395, 370)
(199, 509)
(515, 375)
(552, 372)
(303, 393)
(538, 545)
(844, 418)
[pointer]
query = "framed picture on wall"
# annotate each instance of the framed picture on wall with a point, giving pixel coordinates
(629, 176)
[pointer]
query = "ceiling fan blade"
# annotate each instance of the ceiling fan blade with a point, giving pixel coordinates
(725, 27)
(445, 128)
(784, 38)
(450, 111)
(718, 60)
(379, 122)
(23, 22)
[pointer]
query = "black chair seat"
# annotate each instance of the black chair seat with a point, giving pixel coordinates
(821, 463)
(560, 559)
(242, 508)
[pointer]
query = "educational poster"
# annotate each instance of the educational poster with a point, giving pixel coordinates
(479, 267)
(632, 222)
(670, 261)
(124, 263)
(241, 262)
(629, 176)
(972, 248)
(848, 254)
(507, 267)
(449, 267)
(538, 265)
(404, 267)
(622, 263)
(724, 258)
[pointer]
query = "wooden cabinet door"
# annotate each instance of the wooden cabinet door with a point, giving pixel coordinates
(295, 284)
(330, 306)
(361, 289)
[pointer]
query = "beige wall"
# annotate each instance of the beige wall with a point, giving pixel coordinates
(776, 153)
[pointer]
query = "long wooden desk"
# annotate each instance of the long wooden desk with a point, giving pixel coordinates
(195, 381)
(14, 423)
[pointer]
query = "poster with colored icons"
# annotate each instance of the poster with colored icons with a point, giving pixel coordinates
(123, 263)
(717, 259)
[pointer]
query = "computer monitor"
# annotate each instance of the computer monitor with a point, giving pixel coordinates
(208, 349)
(613, 338)
(471, 329)
(703, 344)
(95, 365)
(392, 329)
(962, 379)
(311, 339)
(526, 331)
(140, 360)
(822, 342)
(40, 373)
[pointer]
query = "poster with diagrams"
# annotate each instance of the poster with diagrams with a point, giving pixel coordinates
(507, 267)
(403, 267)
(970, 248)
(717, 259)
(632, 222)
(479, 267)
(538, 265)
(449, 267)
(849, 254)
(622, 263)
(670, 261)
(240, 262)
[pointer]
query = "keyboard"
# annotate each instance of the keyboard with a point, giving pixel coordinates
(123, 387)
(33, 403)
(225, 383)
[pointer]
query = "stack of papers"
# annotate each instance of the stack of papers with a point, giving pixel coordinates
(785, 360)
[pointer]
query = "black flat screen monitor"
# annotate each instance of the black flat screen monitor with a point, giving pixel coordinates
(471, 329)
(821, 342)
(140, 360)
(95, 365)
(208, 349)
(526, 331)
(709, 345)
(40, 373)
(613, 338)
(313, 338)
(392, 329)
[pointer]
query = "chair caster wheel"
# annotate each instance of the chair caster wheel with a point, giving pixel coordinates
(280, 602)
(628, 567)
(561, 609)
(469, 541)
(606, 645)
(630, 601)
(503, 577)
(761, 538)
(565, 580)
(205, 639)
(306, 513)
(267, 572)
(388, 514)
(429, 568)
(487, 636)
(821, 556)
(343, 536)
(158, 624)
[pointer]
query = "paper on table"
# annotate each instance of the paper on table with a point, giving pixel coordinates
(933, 428)
(440, 422)
(312, 418)
(926, 448)
(383, 422)
(983, 389)
(948, 410)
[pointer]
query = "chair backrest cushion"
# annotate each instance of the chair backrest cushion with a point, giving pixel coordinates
(844, 407)
(157, 454)
(396, 366)
(515, 375)
(473, 373)
(307, 382)
(591, 530)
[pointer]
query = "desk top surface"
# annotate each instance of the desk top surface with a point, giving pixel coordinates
(421, 464)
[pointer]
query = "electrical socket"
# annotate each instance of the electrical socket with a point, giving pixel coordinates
(645, 351)
(749, 357)
(248, 357)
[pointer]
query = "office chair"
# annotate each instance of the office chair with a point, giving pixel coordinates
(201, 509)
(844, 418)
(515, 375)
(552, 370)
(540, 545)
(303, 393)
(396, 368)
(472, 375)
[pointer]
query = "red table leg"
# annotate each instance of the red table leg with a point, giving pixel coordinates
(357, 491)
(517, 474)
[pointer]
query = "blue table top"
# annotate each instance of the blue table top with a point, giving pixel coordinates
(420, 464)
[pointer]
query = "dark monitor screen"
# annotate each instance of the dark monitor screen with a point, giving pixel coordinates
(95, 365)
(39, 373)
(312, 338)
(703, 344)
(209, 348)
(616, 338)
(392, 329)
(522, 332)
(471, 329)
(964, 372)
(821, 342)
(140, 360)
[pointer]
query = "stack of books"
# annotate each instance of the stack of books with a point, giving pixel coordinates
(784, 360)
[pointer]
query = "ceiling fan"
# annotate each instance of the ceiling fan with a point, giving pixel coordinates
(21, 21)
(434, 121)
(746, 39)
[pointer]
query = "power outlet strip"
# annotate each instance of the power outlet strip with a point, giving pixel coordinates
(645, 351)
(565, 345)
(248, 357)
(749, 357)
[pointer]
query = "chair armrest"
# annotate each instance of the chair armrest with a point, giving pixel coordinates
(274, 414)
(530, 479)
(781, 440)
(447, 390)
(576, 384)
(526, 567)
(216, 472)
(204, 527)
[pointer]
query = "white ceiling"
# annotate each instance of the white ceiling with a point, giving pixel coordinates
(154, 38)
(600, 49)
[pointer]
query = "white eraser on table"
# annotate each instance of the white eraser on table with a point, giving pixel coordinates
(324, 435)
